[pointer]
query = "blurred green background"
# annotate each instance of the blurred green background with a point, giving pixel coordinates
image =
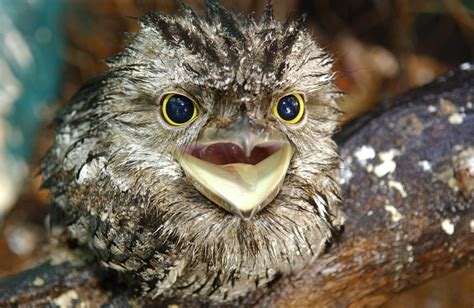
(48, 48)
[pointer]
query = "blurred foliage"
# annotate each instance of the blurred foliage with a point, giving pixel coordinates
(32, 49)
(31, 63)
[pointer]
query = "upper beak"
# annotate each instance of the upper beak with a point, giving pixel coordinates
(240, 168)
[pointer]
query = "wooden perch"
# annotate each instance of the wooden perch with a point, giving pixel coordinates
(408, 181)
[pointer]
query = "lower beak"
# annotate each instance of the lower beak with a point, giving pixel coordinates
(240, 168)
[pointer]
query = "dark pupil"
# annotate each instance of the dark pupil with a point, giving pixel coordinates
(288, 107)
(180, 109)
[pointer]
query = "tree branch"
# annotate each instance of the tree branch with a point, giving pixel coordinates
(408, 181)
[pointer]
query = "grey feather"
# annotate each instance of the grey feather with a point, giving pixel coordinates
(118, 190)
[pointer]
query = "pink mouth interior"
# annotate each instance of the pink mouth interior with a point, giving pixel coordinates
(223, 153)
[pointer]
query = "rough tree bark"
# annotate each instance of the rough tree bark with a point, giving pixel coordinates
(408, 181)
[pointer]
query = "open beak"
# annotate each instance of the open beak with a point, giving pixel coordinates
(241, 168)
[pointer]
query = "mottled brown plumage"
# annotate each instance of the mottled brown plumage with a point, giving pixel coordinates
(117, 186)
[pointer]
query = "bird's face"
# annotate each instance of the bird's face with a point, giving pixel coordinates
(211, 138)
(240, 155)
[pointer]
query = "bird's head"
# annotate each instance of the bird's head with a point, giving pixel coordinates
(231, 100)
(213, 134)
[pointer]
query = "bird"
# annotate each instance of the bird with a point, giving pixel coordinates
(200, 165)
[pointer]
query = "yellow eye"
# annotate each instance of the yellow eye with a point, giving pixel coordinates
(290, 108)
(178, 109)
